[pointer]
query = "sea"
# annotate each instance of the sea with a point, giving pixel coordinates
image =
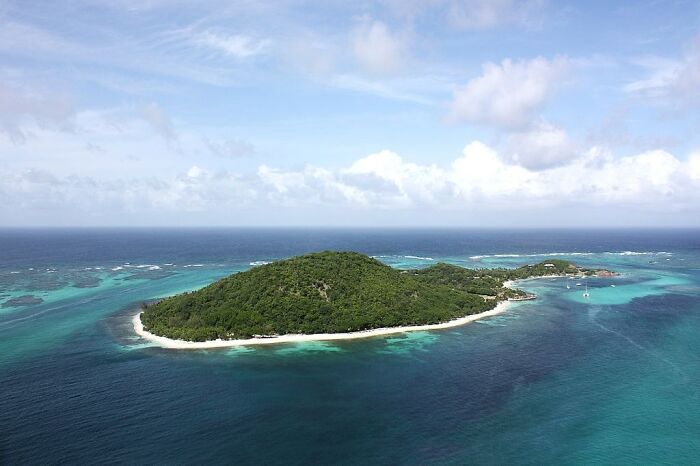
(609, 379)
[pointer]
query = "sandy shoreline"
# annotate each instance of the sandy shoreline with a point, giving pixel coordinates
(296, 338)
(182, 344)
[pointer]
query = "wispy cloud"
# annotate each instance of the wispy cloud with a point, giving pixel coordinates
(400, 90)
(234, 45)
(674, 81)
(21, 108)
(151, 53)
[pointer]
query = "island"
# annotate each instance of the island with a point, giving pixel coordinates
(333, 295)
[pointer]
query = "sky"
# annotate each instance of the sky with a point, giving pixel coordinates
(423, 113)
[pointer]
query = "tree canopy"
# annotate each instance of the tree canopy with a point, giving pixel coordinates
(332, 292)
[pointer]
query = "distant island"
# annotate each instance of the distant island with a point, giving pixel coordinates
(329, 294)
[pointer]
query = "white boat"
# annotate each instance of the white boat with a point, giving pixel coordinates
(585, 293)
(578, 284)
(612, 286)
(568, 287)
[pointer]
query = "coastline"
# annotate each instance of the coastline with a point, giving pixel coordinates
(170, 343)
(165, 342)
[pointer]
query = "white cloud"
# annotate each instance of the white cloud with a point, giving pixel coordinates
(544, 146)
(479, 180)
(281, 181)
(376, 48)
(482, 175)
(195, 172)
(508, 95)
(235, 45)
(388, 180)
(694, 166)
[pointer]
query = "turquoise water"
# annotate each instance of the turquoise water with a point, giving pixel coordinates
(609, 379)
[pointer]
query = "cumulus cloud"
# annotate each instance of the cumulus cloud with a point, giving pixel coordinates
(482, 175)
(400, 183)
(377, 49)
(479, 180)
(544, 146)
(694, 166)
(508, 94)
(281, 181)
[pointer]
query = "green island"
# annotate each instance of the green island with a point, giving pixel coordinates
(336, 292)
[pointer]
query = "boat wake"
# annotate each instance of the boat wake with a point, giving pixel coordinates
(593, 312)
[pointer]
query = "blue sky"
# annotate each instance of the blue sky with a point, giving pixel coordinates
(385, 113)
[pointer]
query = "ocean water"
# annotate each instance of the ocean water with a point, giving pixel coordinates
(613, 379)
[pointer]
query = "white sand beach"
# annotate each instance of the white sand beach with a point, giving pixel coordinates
(181, 344)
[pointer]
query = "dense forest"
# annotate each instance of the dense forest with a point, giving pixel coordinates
(331, 292)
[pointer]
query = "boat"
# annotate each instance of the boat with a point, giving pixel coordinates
(612, 286)
(585, 293)
(578, 284)
(527, 297)
(568, 287)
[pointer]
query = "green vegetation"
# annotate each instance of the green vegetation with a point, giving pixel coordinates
(332, 292)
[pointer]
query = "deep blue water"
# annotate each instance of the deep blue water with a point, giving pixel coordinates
(613, 379)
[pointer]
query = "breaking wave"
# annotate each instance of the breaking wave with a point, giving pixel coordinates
(256, 263)
(402, 257)
(551, 254)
